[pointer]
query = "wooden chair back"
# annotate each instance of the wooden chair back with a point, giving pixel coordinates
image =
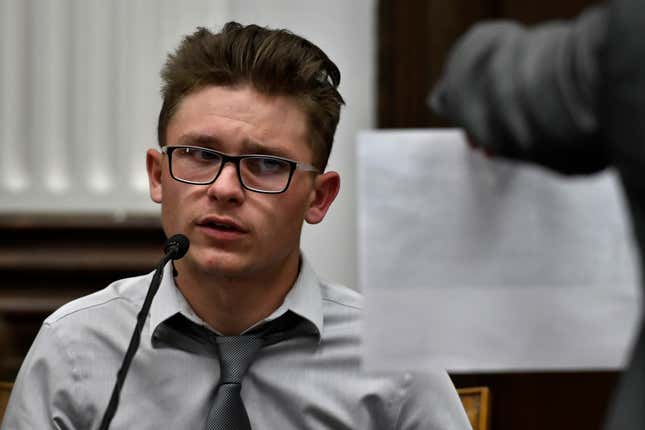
(476, 401)
(5, 392)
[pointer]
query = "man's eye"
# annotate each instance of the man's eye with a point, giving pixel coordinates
(270, 164)
(265, 166)
(201, 155)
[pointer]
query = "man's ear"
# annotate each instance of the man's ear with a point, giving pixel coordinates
(326, 187)
(154, 167)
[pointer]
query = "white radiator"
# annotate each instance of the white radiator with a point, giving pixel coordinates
(79, 98)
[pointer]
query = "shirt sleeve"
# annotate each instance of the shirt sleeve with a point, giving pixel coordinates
(431, 403)
(43, 396)
(530, 93)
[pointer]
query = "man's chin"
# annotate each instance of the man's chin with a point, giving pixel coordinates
(223, 264)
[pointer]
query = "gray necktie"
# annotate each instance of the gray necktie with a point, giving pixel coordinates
(236, 353)
(235, 356)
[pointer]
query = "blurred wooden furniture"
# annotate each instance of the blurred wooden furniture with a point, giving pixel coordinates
(476, 401)
(5, 391)
(545, 400)
(46, 261)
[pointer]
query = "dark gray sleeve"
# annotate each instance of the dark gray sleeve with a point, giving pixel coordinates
(530, 94)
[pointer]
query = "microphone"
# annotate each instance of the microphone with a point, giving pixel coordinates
(175, 248)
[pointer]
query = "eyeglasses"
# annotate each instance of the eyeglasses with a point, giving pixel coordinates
(260, 173)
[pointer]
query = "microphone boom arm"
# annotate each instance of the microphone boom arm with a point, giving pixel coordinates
(176, 247)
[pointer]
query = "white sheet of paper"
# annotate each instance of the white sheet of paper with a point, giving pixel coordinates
(487, 265)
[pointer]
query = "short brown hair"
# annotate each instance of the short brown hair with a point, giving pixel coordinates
(274, 62)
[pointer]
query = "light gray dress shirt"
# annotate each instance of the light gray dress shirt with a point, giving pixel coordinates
(304, 383)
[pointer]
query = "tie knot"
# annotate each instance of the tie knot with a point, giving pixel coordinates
(236, 353)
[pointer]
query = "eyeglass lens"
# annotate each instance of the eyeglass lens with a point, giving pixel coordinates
(257, 172)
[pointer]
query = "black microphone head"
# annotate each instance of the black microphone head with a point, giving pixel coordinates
(177, 245)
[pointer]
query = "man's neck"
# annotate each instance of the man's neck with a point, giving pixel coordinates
(232, 305)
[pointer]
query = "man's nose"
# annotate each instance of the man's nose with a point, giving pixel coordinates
(227, 186)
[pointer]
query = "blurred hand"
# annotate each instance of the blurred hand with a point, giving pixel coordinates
(488, 152)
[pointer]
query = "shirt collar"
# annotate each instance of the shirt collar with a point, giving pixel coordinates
(304, 298)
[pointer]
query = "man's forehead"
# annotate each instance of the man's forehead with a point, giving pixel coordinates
(258, 123)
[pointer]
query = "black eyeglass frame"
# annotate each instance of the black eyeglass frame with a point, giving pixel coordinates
(236, 159)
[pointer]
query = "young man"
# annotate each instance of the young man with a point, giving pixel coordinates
(245, 130)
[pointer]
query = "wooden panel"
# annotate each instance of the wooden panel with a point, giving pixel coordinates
(48, 261)
(5, 392)
(476, 401)
(414, 38)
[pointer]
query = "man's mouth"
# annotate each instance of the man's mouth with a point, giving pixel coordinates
(221, 225)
